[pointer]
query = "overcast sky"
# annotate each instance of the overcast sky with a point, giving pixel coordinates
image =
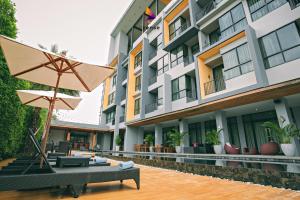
(82, 27)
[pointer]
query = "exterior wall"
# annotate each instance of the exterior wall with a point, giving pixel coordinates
(57, 135)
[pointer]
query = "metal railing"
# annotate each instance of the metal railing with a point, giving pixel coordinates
(153, 106)
(178, 31)
(208, 7)
(122, 119)
(152, 80)
(214, 86)
(191, 96)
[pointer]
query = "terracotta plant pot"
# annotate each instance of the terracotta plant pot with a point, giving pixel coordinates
(270, 148)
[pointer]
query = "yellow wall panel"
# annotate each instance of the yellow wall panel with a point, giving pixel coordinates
(106, 92)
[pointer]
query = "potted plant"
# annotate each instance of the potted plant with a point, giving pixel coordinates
(285, 135)
(118, 141)
(212, 137)
(175, 139)
(149, 139)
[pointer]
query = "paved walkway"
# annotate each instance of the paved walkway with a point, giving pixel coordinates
(161, 184)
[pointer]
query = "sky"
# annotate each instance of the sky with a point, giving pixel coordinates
(82, 27)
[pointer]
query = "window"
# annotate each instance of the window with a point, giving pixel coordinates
(138, 83)
(281, 46)
(237, 62)
(160, 96)
(232, 21)
(195, 49)
(214, 36)
(110, 116)
(294, 3)
(181, 86)
(114, 80)
(176, 27)
(138, 60)
(159, 41)
(111, 98)
(163, 64)
(259, 8)
(178, 55)
(137, 106)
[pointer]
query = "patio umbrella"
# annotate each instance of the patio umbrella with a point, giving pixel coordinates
(42, 99)
(44, 67)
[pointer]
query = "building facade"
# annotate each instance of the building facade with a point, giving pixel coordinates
(202, 65)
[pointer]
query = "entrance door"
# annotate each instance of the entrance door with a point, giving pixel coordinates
(218, 78)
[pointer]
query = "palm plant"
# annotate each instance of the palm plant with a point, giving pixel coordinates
(118, 140)
(285, 133)
(149, 139)
(175, 137)
(212, 137)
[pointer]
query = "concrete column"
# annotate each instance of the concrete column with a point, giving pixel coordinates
(68, 135)
(167, 90)
(284, 116)
(222, 124)
(140, 135)
(241, 130)
(131, 138)
(296, 112)
(158, 135)
(184, 128)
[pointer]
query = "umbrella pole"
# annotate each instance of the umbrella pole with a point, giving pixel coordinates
(48, 121)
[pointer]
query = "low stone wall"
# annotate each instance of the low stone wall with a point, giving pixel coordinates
(264, 177)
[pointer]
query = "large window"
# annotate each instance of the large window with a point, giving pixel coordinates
(110, 116)
(281, 46)
(160, 96)
(138, 83)
(232, 21)
(138, 60)
(181, 87)
(178, 55)
(163, 64)
(259, 8)
(137, 106)
(237, 62)
(176, 27)
(111, 98)
(159, 41)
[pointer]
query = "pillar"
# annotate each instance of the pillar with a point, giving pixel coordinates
(131, 138)
(284, 116)
(184, 128)
(68, 135)
(106, 141)
(241, 130)
(222, 124)
(158, 135)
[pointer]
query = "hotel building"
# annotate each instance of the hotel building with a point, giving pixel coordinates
(202, 65)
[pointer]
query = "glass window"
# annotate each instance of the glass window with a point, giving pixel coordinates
(138, 60)
(181, 86)
(114, 80)
(138, 83)
(137, 106)
(163, 65)
(110, 116)
(259, 8)
(237, 62)
(232, 21)
(281, 46)
(160, 96)
(111, 98)
(176, 27)
(178, 55)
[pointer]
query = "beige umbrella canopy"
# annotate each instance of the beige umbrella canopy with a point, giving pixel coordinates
(43, 67)
(42, 99)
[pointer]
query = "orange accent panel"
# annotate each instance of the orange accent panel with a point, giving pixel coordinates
(180, 7)
(106, 92)
(131, 83)
(205, 75)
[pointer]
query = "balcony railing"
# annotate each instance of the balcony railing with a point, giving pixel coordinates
(191, 96)
(122, 119)
(178, 31)
(214, 86)
(152, 80)
(153, 106)
(208, 7)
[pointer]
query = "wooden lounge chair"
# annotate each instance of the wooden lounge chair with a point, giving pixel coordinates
(74, 178)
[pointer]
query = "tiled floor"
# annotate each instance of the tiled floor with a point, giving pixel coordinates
(161, 184)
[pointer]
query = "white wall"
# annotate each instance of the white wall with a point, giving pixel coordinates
(57, 135)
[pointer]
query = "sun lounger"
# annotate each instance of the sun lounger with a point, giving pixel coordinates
(74, 178)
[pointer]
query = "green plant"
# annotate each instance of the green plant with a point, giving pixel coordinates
(175, 137)
(118, 140)
(285, 133)
(149, 139)
(212, 137)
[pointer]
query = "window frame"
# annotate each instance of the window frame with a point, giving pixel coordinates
(138, 83)
(111, 98)
(137, 106)
(176, 95)
(281, 51)
(183, 56)
(235, 49)
(165, 64)
(138, 59)
(178, 30)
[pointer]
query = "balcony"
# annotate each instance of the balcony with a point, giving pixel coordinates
(153, 54)
(122, 119)
(152, 80)
(214, 86)
(153, 106)
(191, 96)
(206, 7)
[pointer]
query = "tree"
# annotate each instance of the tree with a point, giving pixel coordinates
(12, 113)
